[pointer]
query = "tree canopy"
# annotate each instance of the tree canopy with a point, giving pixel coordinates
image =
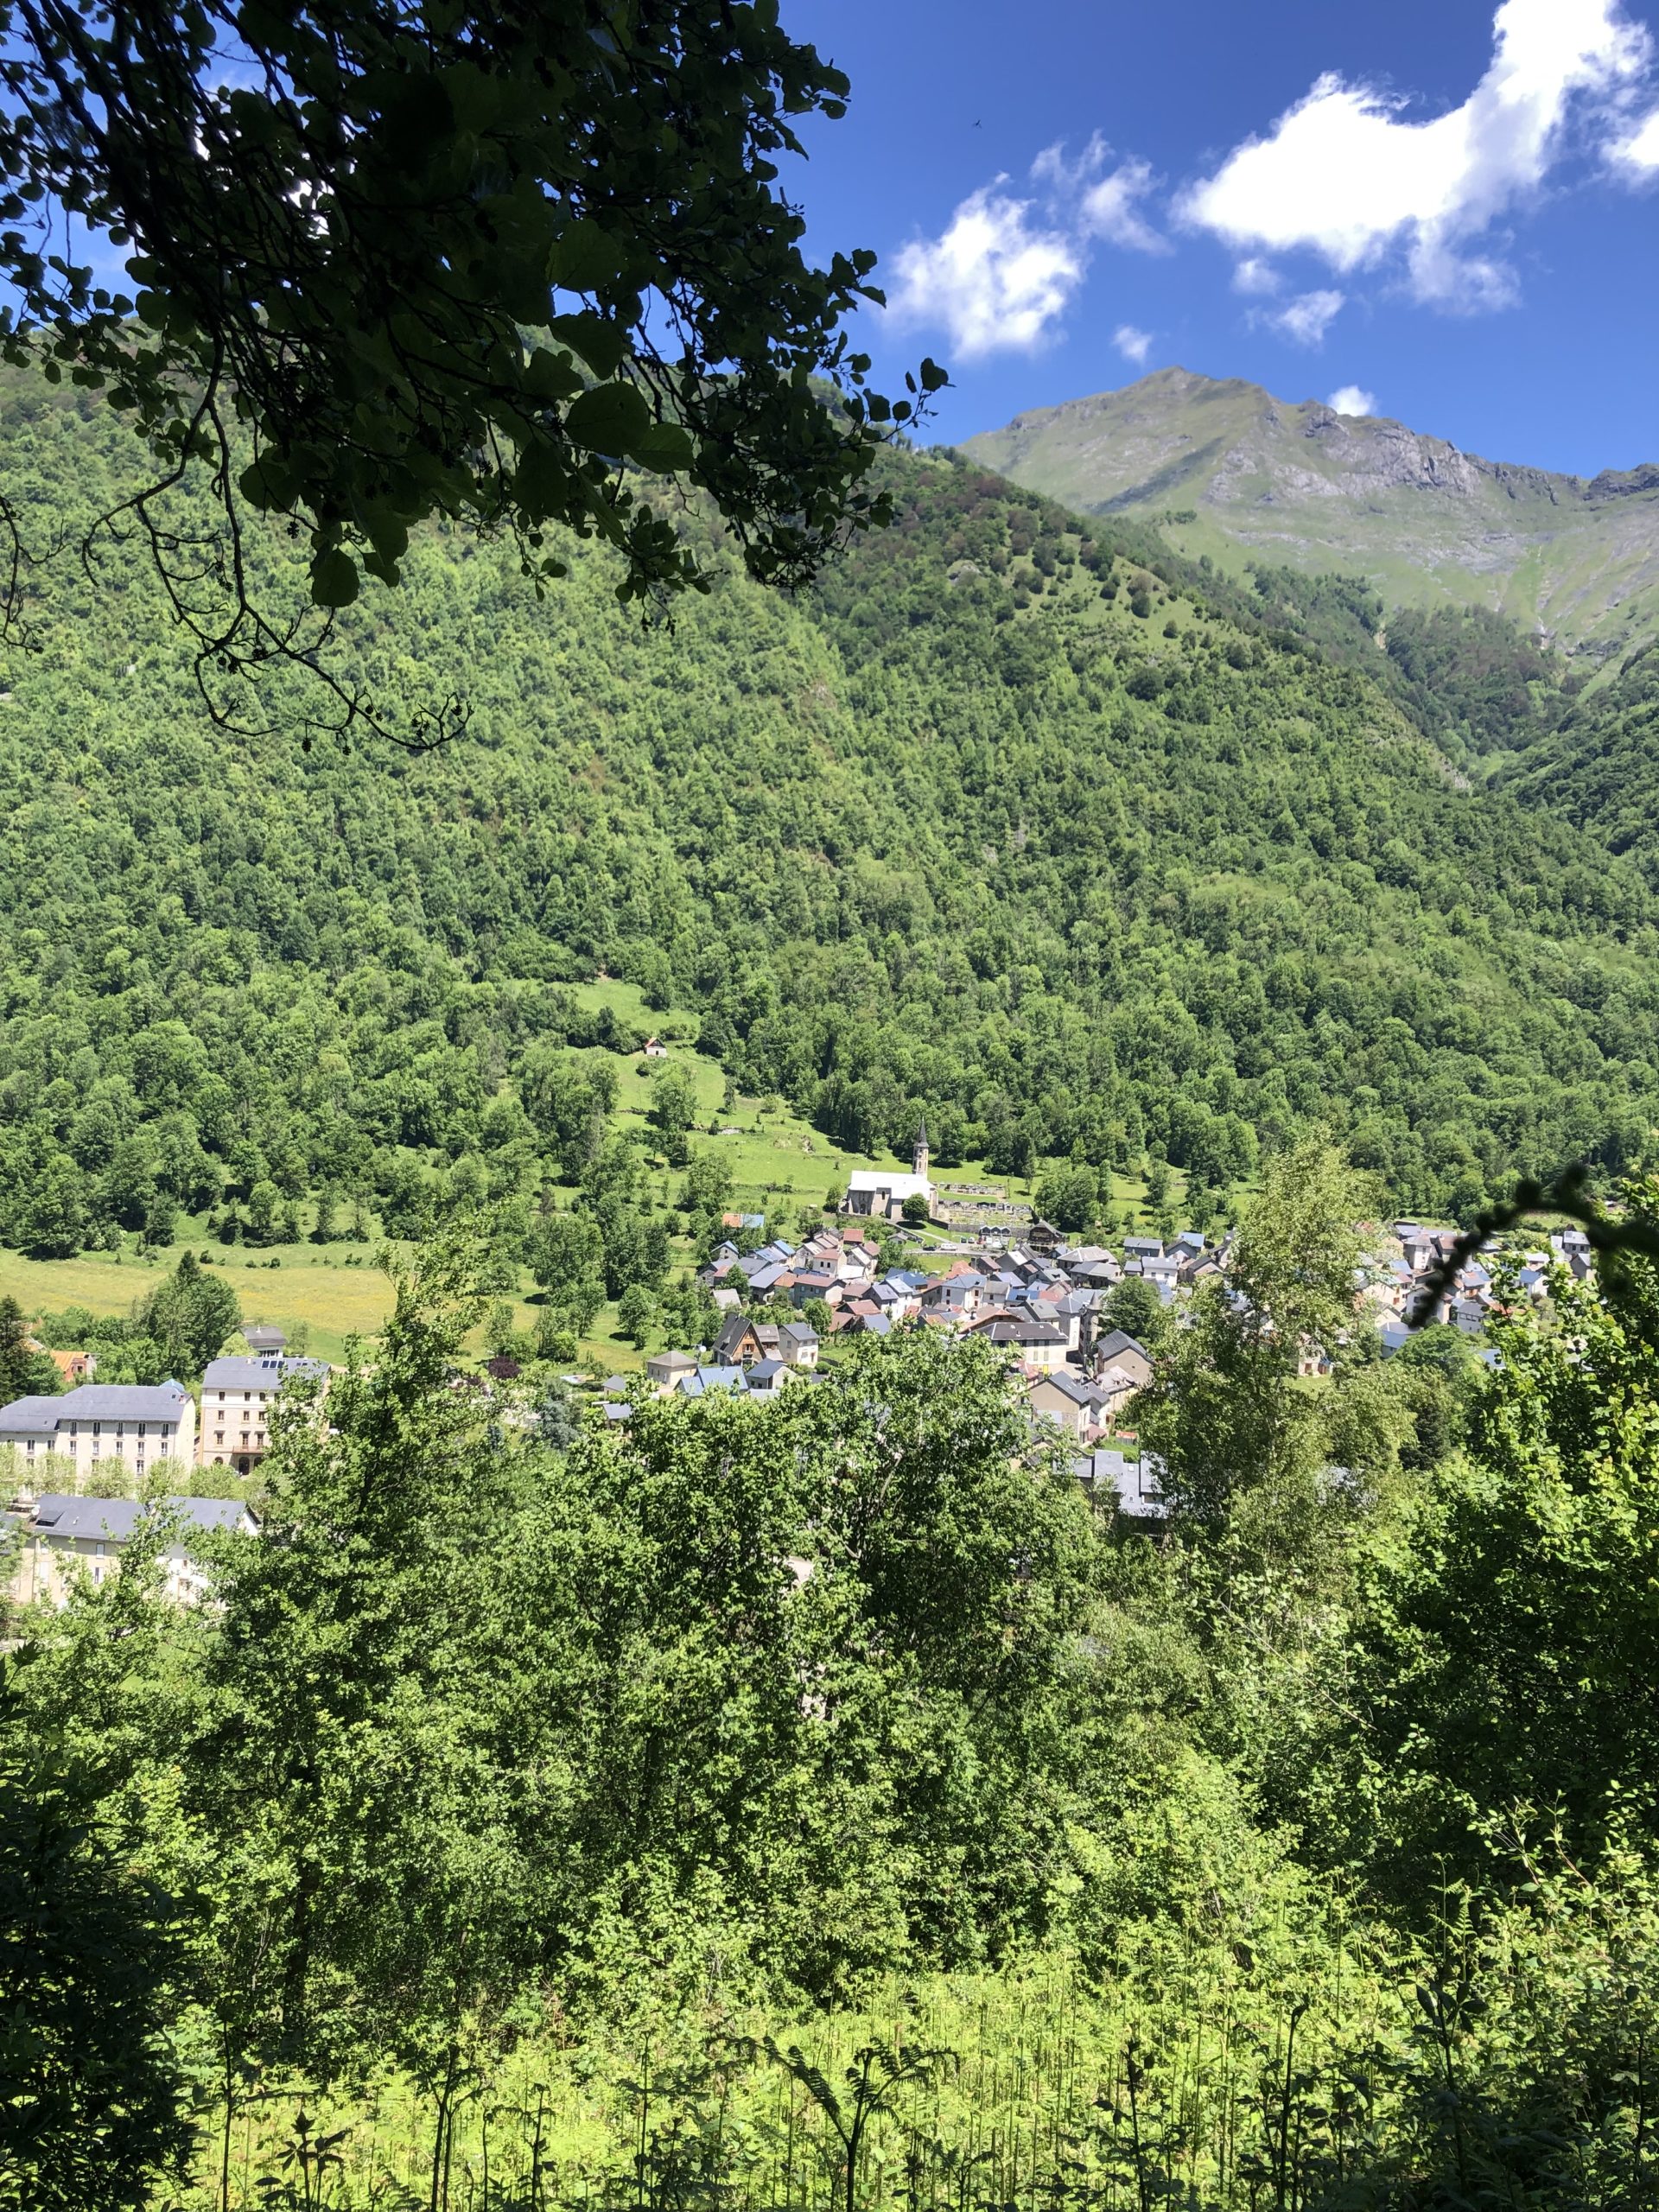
(526, 264)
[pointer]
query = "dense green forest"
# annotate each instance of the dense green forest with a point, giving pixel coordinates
(1067, 843)
(1598, 764)
(828, 1805)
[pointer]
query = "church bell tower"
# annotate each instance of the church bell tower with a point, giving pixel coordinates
(918, 1162)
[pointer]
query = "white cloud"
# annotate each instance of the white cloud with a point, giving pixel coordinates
(1343, 174)
(1108, 210)
(1097, 206)
(1134, 345)
(995, 279)
(1352, 399)
(1005, 269)
(1255, 276)
(1640, 151)
(1308, 317)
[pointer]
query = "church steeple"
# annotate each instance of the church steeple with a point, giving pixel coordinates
(919, 1157)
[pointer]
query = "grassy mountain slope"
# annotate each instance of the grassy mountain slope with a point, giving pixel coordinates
(1230, 472)
(997, 825)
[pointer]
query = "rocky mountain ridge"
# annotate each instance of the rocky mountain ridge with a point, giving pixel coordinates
(1227, 470)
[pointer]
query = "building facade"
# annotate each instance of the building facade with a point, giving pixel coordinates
(66, 1537)
(238, 1396)
(129, 1423)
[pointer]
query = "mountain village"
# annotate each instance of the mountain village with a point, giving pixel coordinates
(1042, 1305)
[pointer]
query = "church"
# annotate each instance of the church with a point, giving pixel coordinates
(879, 1193)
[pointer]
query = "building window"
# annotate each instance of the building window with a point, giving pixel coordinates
(218, 1436)
(98, 1429)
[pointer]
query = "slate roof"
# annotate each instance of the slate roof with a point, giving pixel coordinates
(116, 1518)
(1009, 1331)
(1135, 1484)
(266, 1374)
(1119, 1341)
(33, 1415)
(1074, 1387)
(733, 1331)
(95, 1401)
(713, 1378)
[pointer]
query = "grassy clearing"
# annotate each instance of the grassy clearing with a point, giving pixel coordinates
(311, 1286)
(780, 1166)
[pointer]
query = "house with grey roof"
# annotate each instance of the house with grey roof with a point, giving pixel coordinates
(135, 1425)
(1131, 1485)
(766, 1379)
(664, 1368)
(704, 1379)
(1039, 1343)
(63, 1537)
(238, 1396)
(739, 1343)
(1118, 1349)
(1070, 1402)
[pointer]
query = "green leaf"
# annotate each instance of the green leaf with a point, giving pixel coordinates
(333, 578)
(540, 482)
(265, 484)
(584, 259)
(664, 447)
(600, 344)
(609, 418)
(549, 375)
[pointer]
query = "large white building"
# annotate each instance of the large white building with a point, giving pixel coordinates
(237, 1398)
(66, 1537)
(131, 1423)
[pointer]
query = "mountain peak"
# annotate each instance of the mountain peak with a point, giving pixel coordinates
(1230, 471)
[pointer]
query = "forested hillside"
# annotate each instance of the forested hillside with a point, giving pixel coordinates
(1049, 836)
(1599, 766)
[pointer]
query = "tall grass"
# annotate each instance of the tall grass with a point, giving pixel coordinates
(1255, 2061)
(1206, 2081)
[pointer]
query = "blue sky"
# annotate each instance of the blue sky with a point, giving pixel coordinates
(1450, 209)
